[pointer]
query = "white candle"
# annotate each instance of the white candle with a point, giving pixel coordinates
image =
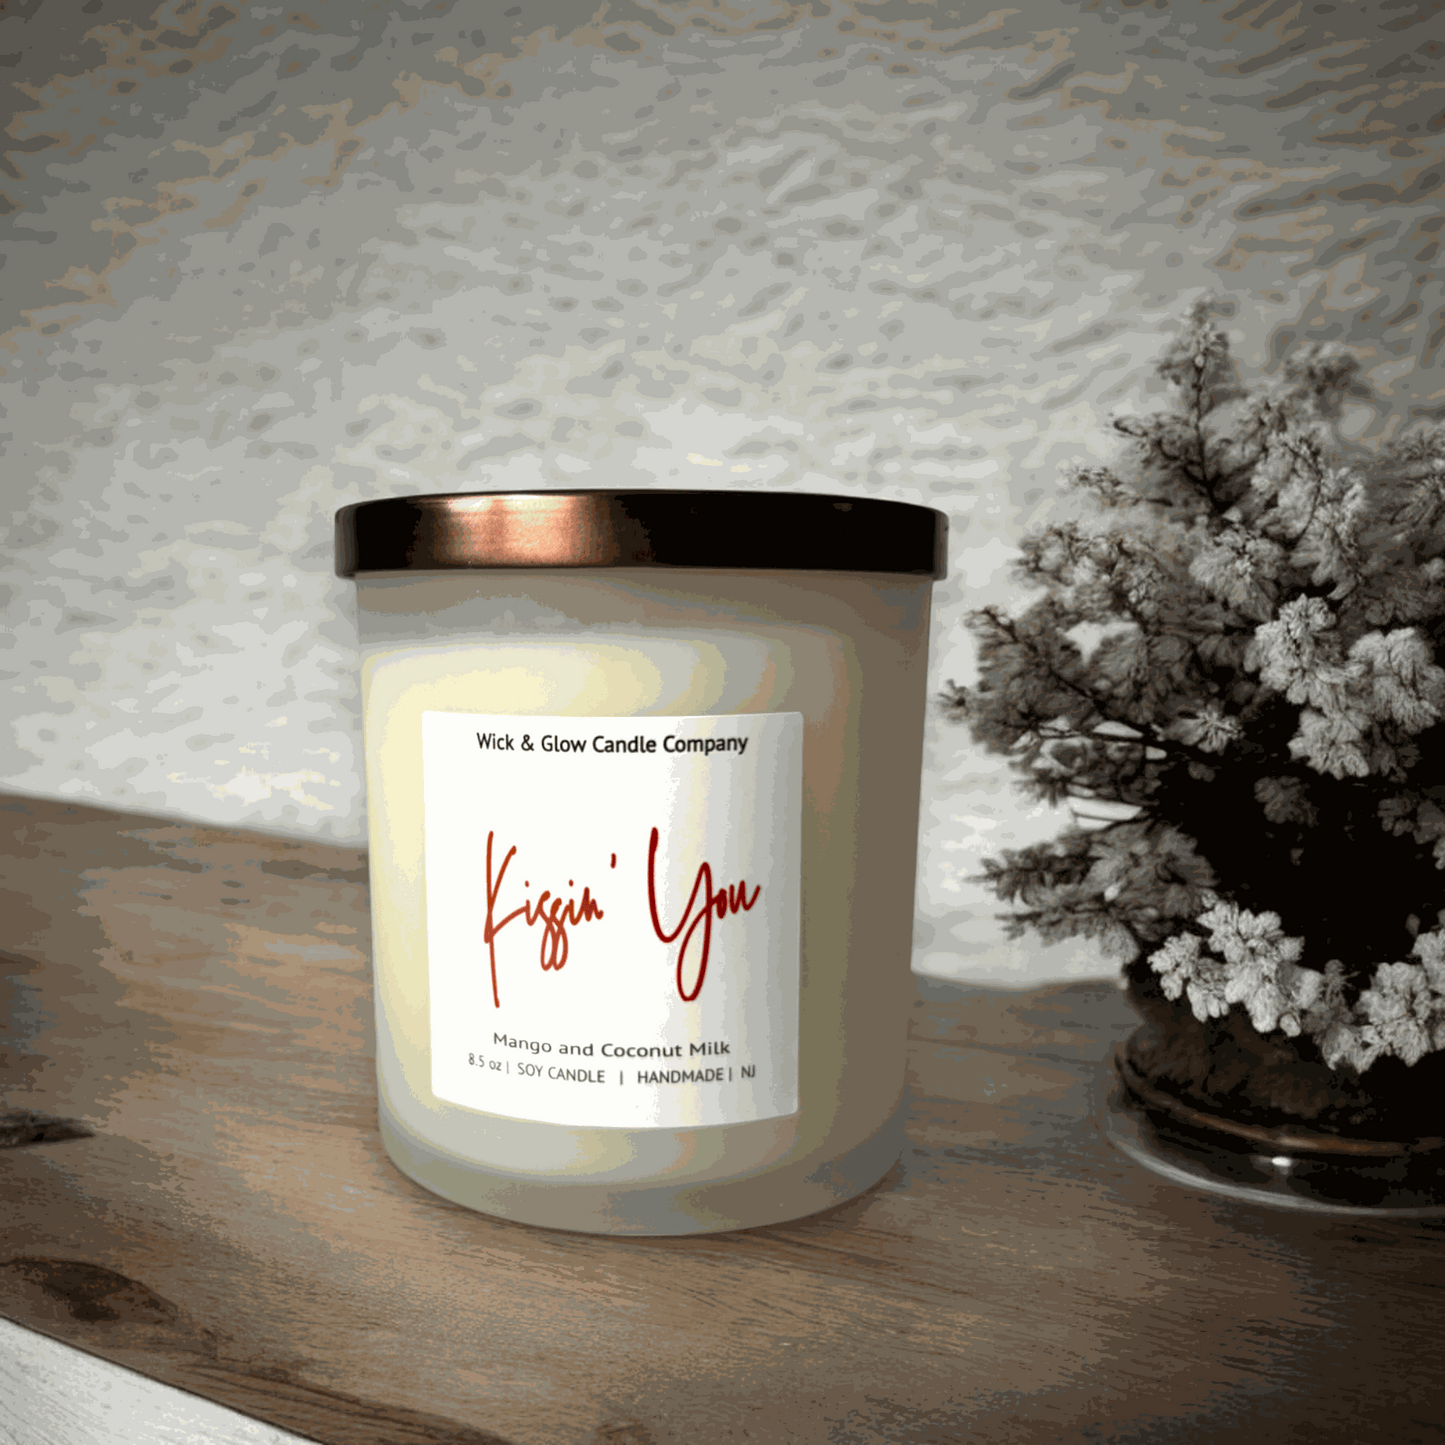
(643, 845)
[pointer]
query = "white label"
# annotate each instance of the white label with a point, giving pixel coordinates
(613, 910)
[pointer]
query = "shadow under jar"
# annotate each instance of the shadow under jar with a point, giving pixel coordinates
(642, 786)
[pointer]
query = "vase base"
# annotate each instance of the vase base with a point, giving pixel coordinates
(1282, 1175)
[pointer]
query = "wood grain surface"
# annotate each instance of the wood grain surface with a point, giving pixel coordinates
(195, 1189)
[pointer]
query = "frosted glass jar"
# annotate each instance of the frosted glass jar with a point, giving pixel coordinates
(642, 781)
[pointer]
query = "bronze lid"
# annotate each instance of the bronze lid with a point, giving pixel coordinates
(762, 531)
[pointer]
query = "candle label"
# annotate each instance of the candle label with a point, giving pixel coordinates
(613, 909)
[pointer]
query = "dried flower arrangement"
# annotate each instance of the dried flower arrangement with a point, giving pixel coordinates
(1235, 647)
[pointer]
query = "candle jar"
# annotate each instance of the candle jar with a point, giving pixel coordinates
(642, 775)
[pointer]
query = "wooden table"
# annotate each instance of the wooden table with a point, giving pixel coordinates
(221, 1215)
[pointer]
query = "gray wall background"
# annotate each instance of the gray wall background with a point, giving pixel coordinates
(260, 262)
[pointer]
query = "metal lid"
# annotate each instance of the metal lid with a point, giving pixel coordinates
(765, 531)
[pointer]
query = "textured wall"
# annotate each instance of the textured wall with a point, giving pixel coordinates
(265, 261)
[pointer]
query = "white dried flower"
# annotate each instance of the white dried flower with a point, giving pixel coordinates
(1210, 728)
